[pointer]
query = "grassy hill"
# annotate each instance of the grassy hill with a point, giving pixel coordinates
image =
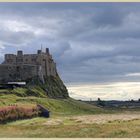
(57, 107)
(53, 86)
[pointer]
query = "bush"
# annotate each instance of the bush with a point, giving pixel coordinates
(100, 102)
(11, 113)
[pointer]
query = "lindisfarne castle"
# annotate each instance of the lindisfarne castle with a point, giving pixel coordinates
(20, 66)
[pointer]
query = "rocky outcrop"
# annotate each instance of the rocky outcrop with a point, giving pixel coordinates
(53, 86)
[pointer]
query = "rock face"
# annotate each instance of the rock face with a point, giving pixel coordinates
(53, 86)
(34, 69)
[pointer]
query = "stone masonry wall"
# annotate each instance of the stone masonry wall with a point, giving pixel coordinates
(17, 72)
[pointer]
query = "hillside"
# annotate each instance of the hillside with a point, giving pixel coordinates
(52, 87)
(68, 117)
(34, 95)
(57, 107)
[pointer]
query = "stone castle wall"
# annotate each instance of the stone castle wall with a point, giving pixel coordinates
(17, 72)
(25, 66)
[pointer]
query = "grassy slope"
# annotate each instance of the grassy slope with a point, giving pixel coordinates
(57, 107)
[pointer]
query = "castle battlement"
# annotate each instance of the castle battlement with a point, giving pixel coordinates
(22, 66)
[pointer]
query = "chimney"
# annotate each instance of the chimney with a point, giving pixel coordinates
(47, 50)
(38, 51)
(19, 52)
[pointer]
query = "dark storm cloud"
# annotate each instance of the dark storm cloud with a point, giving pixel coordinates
(91, 42)
(109, 17)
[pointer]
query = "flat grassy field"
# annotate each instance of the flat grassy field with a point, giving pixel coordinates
(41, 128)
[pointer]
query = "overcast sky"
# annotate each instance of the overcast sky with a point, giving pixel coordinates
(96, 43)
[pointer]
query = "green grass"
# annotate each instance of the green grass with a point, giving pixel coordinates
(56, 106)
(35, 95)
(37, 128)
(32, 91)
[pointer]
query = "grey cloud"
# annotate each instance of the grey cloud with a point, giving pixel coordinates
(111, 16)
(16, 38)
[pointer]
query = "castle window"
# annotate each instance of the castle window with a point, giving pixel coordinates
(9, 60)
(20, 60)
(9, 68)
(18, 68)
(34, 59)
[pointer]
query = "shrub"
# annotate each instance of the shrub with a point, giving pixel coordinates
(11, 113)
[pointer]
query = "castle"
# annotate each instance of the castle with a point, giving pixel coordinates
(21, 67)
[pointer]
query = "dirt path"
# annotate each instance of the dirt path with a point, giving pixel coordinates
(90, 119)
